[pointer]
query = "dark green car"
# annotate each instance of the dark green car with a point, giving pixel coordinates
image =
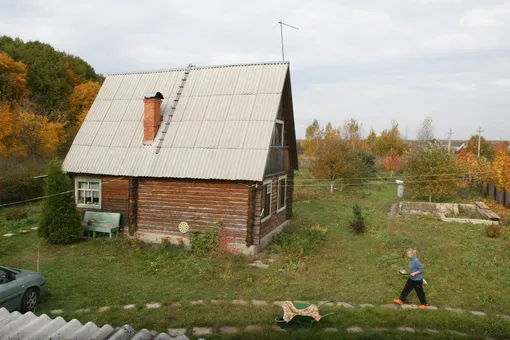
(20, 289)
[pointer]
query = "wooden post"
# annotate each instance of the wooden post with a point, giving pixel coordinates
(249, 226)
(133, 199)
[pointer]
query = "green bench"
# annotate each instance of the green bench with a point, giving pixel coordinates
(101, 222)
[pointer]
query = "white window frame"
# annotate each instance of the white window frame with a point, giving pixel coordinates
(282, 208)
(76, 191)
(269, 183)
(278, 121)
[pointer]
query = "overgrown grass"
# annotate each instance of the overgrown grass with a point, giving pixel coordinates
(32, 219)
(464, 269)
(216, 316)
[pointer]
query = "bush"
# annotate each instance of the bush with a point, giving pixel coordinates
(16, 214)
(19, 186)
(299, 241)
(358, 224)
(493, 231)
(60, 222)
(204, 243)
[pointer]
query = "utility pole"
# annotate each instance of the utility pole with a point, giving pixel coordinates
(281, 35)
(479, 132)
(449, 140)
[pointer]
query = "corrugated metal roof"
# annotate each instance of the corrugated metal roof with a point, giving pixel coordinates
(106, 133)
(124, 134)
(28, 326)
(221, 127)
(218, 107)
(241, 107)
(236, 135)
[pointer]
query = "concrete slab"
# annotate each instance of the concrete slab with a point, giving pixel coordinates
(478, 313)
(406, 329)
(379, 329)
(259, 303)
(82, 310)
(411, 306)
(199, 331)
(239, 302)
(456, 310)
(153, 305)
(389, 306)
(430, 330)
(354, 330)
(259, 264)
(254, 328)
(345, 305)
(176, 331)
(228, 330)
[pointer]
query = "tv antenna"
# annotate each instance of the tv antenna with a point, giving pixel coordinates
(281, 34)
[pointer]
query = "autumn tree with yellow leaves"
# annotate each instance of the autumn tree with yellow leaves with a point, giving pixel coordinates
(13, 79)
(26, 134)
(432, 172)
(501, 167)
(80, 101)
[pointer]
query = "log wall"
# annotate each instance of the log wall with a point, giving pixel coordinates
(261, 229)
(164, 203)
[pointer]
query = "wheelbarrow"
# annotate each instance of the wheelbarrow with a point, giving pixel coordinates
(300, 313)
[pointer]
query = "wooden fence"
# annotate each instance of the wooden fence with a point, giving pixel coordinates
(492, 192)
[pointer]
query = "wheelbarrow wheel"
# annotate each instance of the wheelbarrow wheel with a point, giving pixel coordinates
(285, 325)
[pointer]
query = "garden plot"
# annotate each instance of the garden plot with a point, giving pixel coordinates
(447, 212)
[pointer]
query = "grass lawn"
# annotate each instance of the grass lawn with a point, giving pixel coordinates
(464, 269)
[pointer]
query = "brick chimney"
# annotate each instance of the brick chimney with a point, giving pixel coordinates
(151, 116)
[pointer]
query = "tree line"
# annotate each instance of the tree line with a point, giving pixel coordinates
(342, 155)
(44, 97)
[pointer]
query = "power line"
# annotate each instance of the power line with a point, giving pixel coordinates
(365, 184)
(406, 176)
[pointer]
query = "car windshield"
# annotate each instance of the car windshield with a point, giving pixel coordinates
(14, 269)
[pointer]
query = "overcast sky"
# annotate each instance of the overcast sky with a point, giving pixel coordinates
(376, 61)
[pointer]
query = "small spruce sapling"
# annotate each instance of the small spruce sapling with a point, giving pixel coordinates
(358, 224)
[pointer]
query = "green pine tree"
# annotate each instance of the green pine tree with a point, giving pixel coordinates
(60, 222)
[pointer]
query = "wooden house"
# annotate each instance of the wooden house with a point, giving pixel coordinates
(194, 145)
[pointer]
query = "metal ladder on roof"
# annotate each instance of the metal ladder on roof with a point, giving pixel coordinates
(168, 118)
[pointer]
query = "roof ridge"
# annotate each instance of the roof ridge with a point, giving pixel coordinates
(202, 67)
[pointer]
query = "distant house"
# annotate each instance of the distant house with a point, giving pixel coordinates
(194, 145)
(460, 148)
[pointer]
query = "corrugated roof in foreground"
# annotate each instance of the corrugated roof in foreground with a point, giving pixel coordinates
(28, 326)
(221, 128)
